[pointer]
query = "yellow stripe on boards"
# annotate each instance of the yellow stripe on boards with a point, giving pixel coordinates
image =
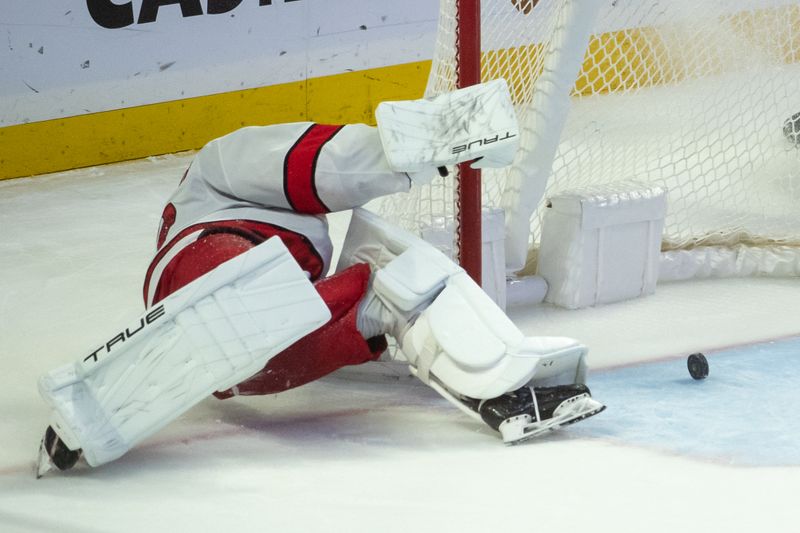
(636, 58)
(615, 62)
(136, 132)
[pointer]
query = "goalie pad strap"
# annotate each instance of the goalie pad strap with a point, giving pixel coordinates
(425, 358)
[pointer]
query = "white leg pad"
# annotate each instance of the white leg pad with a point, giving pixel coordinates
(472, 347)
(215, 332)
(461, 337)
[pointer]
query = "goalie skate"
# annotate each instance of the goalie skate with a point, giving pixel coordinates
(528, 412)
(54, 453)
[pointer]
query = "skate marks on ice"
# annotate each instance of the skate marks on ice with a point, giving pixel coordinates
(323, 421)
(741, 415)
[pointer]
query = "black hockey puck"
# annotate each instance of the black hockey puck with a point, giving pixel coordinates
(698, 366)
(791, 129)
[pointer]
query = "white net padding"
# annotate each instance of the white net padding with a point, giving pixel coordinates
(688, 94)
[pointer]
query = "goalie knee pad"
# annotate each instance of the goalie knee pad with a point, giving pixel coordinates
(402, 289)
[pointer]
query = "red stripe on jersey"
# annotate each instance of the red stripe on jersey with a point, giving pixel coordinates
(299, 246)
(300, 166)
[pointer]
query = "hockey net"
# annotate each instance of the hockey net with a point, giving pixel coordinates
(691, 95)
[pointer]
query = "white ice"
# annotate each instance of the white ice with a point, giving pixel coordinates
(348, 453)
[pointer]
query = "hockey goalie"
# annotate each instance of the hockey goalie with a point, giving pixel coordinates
(237, 302)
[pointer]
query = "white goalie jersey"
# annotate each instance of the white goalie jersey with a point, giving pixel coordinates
(274, 180)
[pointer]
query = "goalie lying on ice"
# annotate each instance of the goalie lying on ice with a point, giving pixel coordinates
(238, 305)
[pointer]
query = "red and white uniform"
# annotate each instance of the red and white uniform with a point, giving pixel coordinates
(260, 182)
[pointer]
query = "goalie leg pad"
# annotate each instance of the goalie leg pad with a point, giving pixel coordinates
(473, 348)
(336, 344)
(210, 335)
(460, 336)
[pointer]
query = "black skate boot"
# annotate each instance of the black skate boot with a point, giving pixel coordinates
(528, 412)
(53, 452)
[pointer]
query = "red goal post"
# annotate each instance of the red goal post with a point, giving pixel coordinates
(468, 186)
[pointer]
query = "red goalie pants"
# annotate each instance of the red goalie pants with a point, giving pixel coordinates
(336, 344)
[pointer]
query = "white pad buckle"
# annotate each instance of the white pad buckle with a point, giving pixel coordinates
(466, 124)
(217, 331)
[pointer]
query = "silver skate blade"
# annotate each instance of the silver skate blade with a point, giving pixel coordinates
(43, 464)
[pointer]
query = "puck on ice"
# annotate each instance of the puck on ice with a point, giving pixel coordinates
(791, 129)
(698, 366)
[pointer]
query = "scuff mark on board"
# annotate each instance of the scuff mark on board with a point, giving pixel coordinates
(86, 64)
(165, 66)
(28, 85)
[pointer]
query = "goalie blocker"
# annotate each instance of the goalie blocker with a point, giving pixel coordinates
(461, 344)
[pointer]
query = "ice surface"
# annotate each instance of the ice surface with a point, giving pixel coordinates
(739, 415)
(384, 455)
